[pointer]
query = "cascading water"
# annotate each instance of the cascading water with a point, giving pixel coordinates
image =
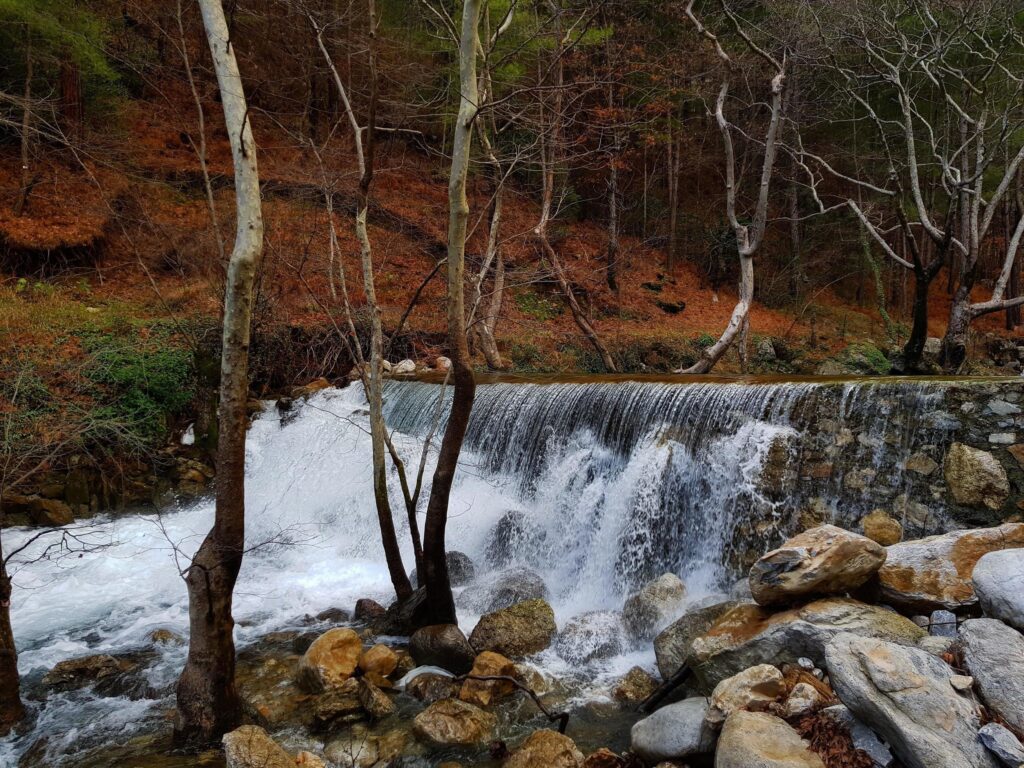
(598, 486)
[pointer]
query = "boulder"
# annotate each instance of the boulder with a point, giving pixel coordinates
(461, 570)
(454, 723)
(368, 610)
(379, 659)
(674, 732)
(502, 589)
(590, 636)
(758, 685)
(511, 535)
(442, 363)
(108, 673)
(998, 579)
(403, 617)
(825, 560)
(748, 635)
(635, 686)
(429, 687)
(339, 705)
(804, 699)
(935, 572)
(881, 527)
(359, 748)
(251, 747)
(975, 477)
(308, 760)
(905, 695)
(517, 631)
(1003, 744)
(330, 660)
(374, 701)
(654, 607)
(994, 655)
(404, 367)
(546, 748)
(483, 693)
(442, 645)
(604, 758)
(672, 645)
(761, 740)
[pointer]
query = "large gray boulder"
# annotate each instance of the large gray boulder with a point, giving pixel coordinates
(1003, 744)
(674, 732)
(994, 655)
(761, 740)
(502, 589)
(975, 477)
(999, 583)
(826, 560)
(654, 606)
(906, 696)
(927, 574)
(672, 645)
(591, 636)
(749, 635)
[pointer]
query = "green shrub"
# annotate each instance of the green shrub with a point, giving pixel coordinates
(539, 307)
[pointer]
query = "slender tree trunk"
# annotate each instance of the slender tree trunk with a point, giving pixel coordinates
(439, 607)
(954, 344)
(26, 125)
(208, 701)
(612, 256)
(483, 322)
(673, 202)
(11, 708)
(913, 350)
(72, 107)
(796, 246)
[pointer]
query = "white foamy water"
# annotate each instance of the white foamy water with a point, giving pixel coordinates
(619, 483)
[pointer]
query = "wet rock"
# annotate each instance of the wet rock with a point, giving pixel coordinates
(863, 738)
(483, 693)
(165, 637)
(994, 655)
(655, 606)
(673, 732)
(442, 645)
(429, 687)
(306, 390)
(461, 570)
(635, 686)
(761, 740)
(374, 701)
(822, 561)
(546, 748)
(672, 645)
(975, 477)
(517, 631)
(590, 636)
(879, 526)
(379, 659)
(362, 749)
(309, 760)
(758, 685)
(339, 705)
(748, 635)
(403, 617)
(921, 463)
(905, 695)
(513, 533)
(502, 589)
(330, 660)
(998, 579)
(110, 674)
(454, 723)
(1000, 742)
(38, 510)
(251, 747)
(368, 610)
(935, 572)
(333, 616)
(603, 758)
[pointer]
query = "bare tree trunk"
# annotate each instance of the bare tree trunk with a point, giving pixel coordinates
(482, 324)
(11, 708)
(439, 607)
(208, 701)
(26, 124)
(672, 172)
(72, 107)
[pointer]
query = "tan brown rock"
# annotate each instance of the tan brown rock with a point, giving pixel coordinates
(935, 573)
(761, 684)
(330, 660)
(761, 740)
(546, 748)
(374, 701)
(251, 747)
(454, 723)
(483, 693)
(635, 686)
(429, 687)
(879, 526)
(975, 477)
(517, 631)
(603, 758)
(822, 561)
(379, 659)
(308, 760)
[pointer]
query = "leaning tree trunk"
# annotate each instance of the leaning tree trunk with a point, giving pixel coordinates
(11, 708)
(737, 323)
(953, 353)
(439, 607)
(208, 701)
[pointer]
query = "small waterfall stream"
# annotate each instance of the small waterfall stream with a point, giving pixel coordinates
(597, 486)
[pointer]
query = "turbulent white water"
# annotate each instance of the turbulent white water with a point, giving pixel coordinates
(618, 482)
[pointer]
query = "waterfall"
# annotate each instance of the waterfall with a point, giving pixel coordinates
(596, 486)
